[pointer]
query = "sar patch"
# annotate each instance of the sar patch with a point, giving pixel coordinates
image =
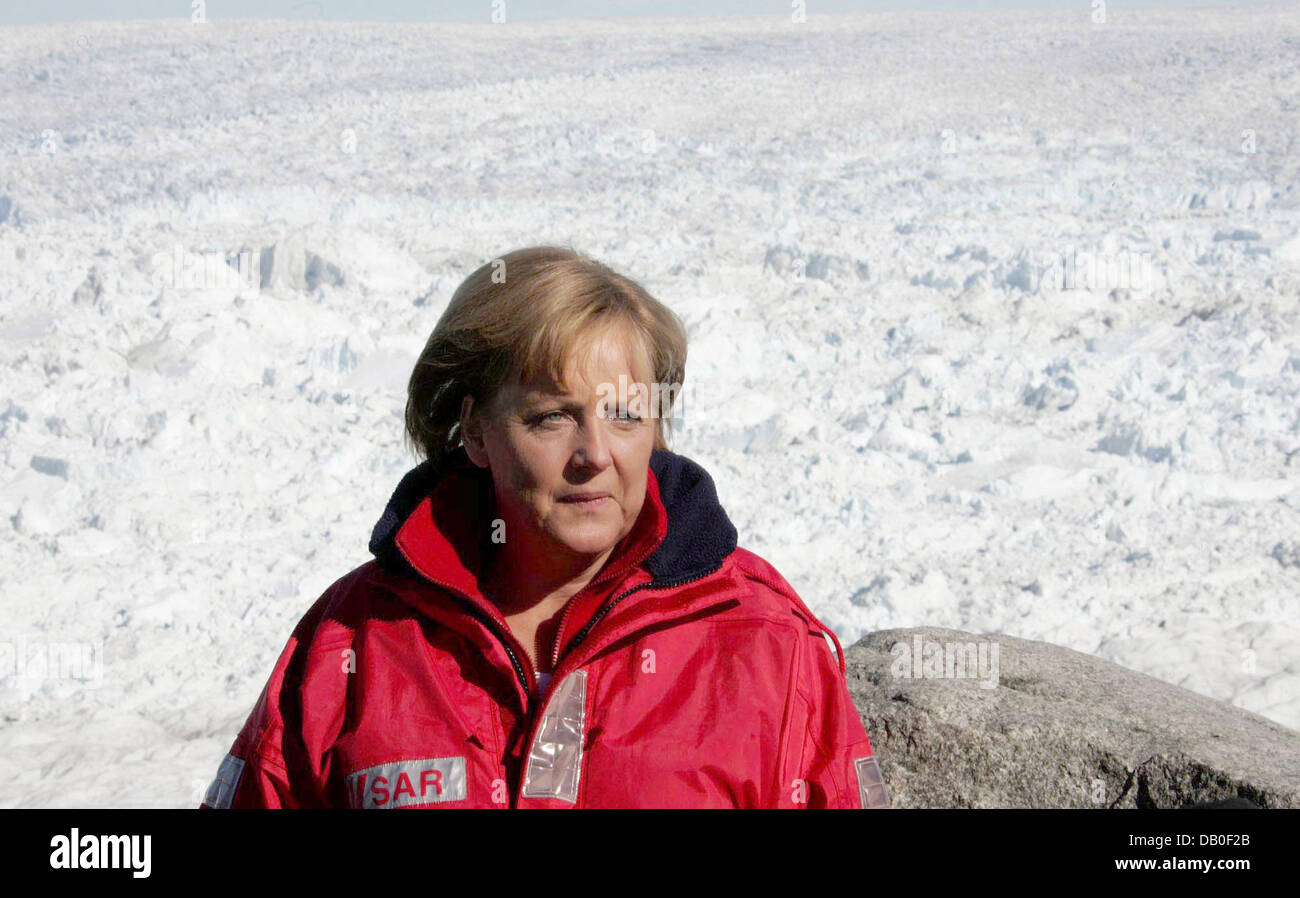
(400, 784)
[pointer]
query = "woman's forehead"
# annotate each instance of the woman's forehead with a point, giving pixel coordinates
(593, 363)
(579, 385)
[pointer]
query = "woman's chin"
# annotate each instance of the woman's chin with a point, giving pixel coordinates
(590, 540)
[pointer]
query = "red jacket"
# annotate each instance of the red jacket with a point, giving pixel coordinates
(691, 675)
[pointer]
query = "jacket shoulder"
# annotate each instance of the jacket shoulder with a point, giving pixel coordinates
(330, 625)
(758, 570)
(345, 604)
(769, 585)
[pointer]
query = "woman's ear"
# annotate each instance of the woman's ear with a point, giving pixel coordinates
(471, 432)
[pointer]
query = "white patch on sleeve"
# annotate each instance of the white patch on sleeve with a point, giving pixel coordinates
(871, 783)
(222, 790)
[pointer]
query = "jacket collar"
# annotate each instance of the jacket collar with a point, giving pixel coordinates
(439, 523)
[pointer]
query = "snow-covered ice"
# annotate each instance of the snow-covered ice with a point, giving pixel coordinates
(993, 316)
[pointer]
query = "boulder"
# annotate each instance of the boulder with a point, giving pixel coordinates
(962, 720)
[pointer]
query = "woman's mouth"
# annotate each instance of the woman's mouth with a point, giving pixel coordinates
(586, 500)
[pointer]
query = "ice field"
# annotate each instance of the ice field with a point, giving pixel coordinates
(994, 325)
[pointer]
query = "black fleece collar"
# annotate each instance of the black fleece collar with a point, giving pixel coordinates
(700, 535)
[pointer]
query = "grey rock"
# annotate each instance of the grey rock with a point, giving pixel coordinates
(1036, 725)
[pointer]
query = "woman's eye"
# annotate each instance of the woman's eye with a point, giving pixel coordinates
(615, 414)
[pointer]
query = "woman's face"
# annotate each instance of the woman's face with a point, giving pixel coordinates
(547, 447)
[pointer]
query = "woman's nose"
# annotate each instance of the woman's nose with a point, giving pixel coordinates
(592, 447)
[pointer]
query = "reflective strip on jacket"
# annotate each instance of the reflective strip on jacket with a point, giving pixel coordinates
(690, 675)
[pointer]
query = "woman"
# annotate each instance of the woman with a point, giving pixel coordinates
(557, 614)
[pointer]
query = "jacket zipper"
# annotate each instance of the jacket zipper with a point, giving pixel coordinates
(573, 643)
(605, 609)
(489, 624)
(529, 688)
(568, 606)
(555, 649)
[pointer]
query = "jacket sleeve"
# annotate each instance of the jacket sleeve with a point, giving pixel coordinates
(281, 757)
(838, 764)
(264, 768)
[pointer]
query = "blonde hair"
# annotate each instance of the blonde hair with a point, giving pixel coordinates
(523, 324)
